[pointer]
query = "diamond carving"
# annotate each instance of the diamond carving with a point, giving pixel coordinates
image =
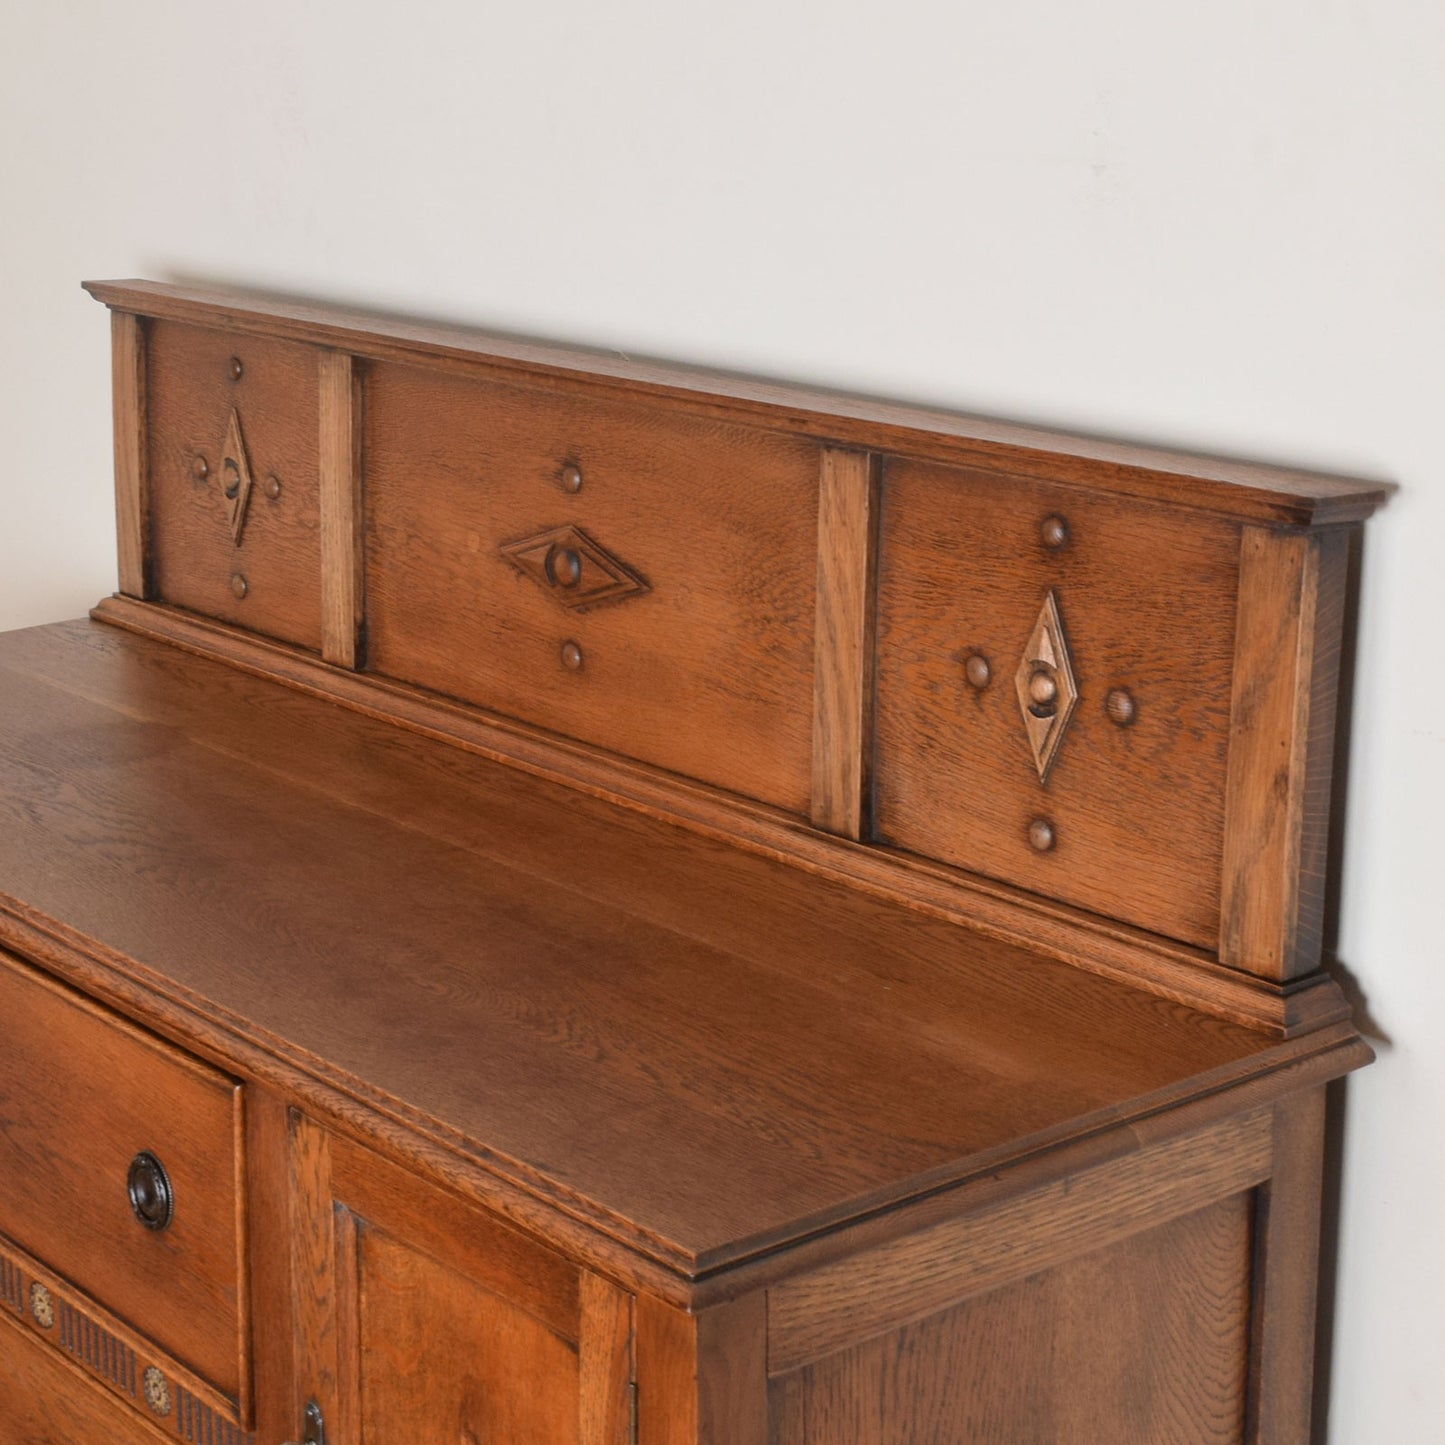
(236, 476)
(574, 569)
(1046, 687)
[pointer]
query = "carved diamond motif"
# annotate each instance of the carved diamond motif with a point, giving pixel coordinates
(1047, 691)
(236, 476)
(572, 568)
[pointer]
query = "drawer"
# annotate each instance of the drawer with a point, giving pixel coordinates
(1113, 797)
(82, 1095)
(233, 470)
(663, 609)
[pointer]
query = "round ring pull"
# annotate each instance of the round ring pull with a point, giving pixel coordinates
(149, 1186)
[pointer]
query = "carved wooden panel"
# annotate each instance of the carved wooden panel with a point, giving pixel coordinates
(232, 462)
(1054, 691)
(636, 578)
(116, 1356)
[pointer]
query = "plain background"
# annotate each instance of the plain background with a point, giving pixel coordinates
(1219, 226)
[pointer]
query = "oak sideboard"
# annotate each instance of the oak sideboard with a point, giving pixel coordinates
(575, 901)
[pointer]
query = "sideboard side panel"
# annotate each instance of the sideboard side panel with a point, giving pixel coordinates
(1144, 1341)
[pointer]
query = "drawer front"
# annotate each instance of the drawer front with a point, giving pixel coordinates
(662, 609)
(83, 1095)
(1121, 614)
(232, 460)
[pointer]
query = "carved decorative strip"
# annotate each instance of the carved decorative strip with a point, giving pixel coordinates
(97, 1348)
(159, 1389)
(12, 1286)
(236, 476)
(1046, 687)
(573, 569)
(197, 1422)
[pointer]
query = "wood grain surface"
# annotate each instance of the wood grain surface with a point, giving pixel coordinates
(843, 687)
(702, 1378)
(81, 1095)
(1281, 751)
(45, 1399)
(343, 565)
(874, 1291)
(1140, 1343)
(440, 1358)
(606, 1384)
(1286, 1272)
(709, 673)
(452, 1323)
(559, 983)
(1147, 602)
(1236, 488)
(132, 482)
(191, 393)
(113, 1353)
(1180, 972)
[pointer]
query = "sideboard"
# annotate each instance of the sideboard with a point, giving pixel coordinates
(574, 901)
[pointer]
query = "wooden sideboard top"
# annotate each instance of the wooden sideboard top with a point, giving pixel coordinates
(698, 1051)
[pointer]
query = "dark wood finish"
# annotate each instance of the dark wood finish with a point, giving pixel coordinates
(1286, 1268)
(439, 1358)
(1084, 940)
(453, 1326)
(1146, 598)
(342, 519)
(738, 917)
(313, 1324)
(1269, 494)
(83, 1094)
(1281, 750)
(874, 1292)
(844, 650)
(666, 974)
(708, 673)
(132, 496)
(1136, 1344)
(124, 1360)
(268, 1233)
(607, 1371)
(702, 1377)
(45, 1399)
(191, 396)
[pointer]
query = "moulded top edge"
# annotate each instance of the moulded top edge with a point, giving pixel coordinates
(1246, 490)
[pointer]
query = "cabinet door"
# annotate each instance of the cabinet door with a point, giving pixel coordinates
(424, 1318)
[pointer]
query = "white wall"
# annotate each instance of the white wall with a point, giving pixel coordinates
(1217, 225)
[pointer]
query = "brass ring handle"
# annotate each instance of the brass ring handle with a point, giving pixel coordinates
(152, 1200)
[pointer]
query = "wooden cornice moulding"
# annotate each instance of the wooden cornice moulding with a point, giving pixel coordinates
(1240, 489)
(1075, 693)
